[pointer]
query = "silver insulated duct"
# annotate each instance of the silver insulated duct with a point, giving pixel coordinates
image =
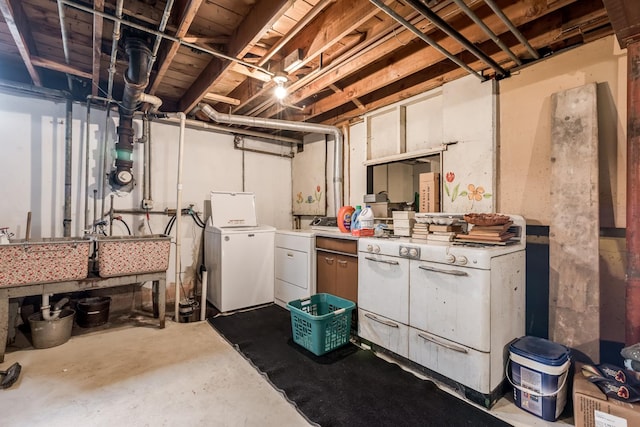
(293, 126)
(135, 81)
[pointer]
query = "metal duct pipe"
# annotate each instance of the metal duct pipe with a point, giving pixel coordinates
(196, 124)
(512, 28)
(392, 13)
(480, 23)
(454, 34)
(294, 126)
(135, 81)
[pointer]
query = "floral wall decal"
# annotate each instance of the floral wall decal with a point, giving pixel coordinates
(473, 192)
(315, 198)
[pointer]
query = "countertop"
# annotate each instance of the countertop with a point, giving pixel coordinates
(325, 232)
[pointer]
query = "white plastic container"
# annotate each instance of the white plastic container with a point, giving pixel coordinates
(539, 371)
(366, 218)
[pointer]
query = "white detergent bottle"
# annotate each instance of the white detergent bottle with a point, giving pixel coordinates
(366, 218)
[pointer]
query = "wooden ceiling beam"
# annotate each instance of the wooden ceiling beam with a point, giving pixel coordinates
(61, 68)
(188, 12)
(400, 65)
(516, 12)
(541, 33)
(259, 20)
(97, 47)
(384, 35)
(624, 15)
(18, 26)
(143, 11)
(316, 38)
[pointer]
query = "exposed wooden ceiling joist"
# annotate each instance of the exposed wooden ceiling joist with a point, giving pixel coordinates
(353, 56)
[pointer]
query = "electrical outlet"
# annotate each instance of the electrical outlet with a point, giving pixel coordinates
(147, 204)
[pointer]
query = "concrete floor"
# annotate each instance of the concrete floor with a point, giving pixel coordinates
(185, 374)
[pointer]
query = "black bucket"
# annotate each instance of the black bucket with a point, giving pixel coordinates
(92, 311)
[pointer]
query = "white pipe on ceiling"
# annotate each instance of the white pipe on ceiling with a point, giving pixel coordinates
(293, 126)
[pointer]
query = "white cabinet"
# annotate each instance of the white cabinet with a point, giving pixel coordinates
(295, 268)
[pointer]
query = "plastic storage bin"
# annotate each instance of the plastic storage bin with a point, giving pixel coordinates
(539, 371)
(321, 323)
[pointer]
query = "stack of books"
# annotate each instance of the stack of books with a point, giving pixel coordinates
(489, 233)
(443, 233)
(420, 231)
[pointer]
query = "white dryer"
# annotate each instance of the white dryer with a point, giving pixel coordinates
(239, 253)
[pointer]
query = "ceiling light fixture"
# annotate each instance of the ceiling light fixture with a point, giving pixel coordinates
(280, 91)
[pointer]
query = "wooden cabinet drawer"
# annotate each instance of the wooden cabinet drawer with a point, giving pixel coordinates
(338, 245)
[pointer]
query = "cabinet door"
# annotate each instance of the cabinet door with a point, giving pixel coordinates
(326, 272)
(347, 277)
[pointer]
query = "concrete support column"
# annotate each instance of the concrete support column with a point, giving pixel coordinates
(574, 282)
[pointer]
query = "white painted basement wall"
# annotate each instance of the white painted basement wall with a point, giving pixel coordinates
(461, 112)
(32, 174)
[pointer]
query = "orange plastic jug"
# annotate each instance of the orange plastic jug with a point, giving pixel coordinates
(344, 218)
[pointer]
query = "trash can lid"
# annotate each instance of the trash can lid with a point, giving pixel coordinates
(540, 350)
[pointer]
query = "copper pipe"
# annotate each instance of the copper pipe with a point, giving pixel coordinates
(632, 333)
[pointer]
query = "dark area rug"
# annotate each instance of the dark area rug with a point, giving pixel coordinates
(346, 387)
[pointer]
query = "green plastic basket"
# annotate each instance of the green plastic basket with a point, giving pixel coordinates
(321, 323)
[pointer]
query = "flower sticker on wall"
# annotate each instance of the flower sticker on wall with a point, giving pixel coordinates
(474, 193)
(315, 198)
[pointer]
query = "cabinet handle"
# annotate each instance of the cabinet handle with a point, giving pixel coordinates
(289, 254)
(328, 260)
(384, 261)
(384, 322)
(441, 344)
(437, 270)
(342, 262)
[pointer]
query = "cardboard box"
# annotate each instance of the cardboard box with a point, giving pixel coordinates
(592, 408)
(429, 192)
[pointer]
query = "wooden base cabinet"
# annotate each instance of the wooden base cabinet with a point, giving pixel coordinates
(337, 267)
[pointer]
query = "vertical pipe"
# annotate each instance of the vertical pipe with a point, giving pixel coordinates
(95, 211)
(103, 173)
(182, 118)
(633, 195)
(203, 295)
(67, 169)
(86, 166)
(114, 47)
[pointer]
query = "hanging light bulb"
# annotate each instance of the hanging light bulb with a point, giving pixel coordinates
(280, 91)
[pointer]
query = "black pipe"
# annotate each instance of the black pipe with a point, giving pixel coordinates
(453, 33)
(135, 82)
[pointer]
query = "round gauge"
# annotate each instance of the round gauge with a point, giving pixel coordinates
(124, 177)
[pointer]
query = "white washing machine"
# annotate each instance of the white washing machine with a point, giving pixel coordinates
(239, 253)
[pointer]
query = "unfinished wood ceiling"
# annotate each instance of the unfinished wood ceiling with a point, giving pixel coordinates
(342, 57)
